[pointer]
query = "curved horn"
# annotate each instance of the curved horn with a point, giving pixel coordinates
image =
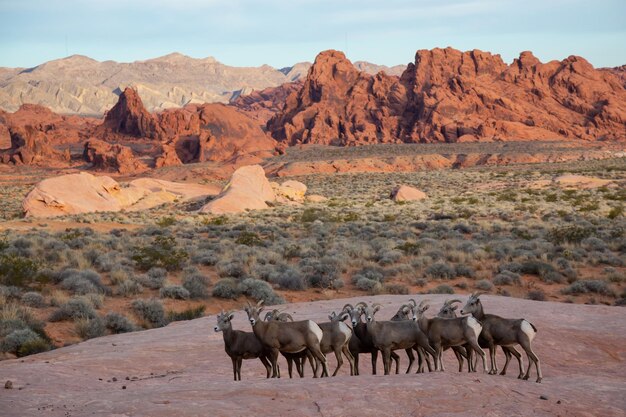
(361, 303)
(424, 302)
(350, 306)
(411, 300)
(259, 303)
(285, 317)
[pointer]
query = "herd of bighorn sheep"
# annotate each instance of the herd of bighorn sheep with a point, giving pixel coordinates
(409, 329)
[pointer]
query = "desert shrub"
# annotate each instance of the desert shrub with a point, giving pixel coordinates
(507, 278)
(226, 288)
(197, 285)
(320, 273)
(75, 308)
(545, 271)
(166, 221)
(289, 278)
(442, 289)
(588, 286)
(569, 234)
(510, 266)
(33, 299)
(374, 273)
(396, 289)
(484, 285)
(390, 257)
(82, 282)
(615, 212)
(205, 257)
(150, 311)
(17, 270)
(536, 295)
(90, 328)
(118, 323)
(162, 252)
(462, 270)
(420, 282)
(367, 284)
(309, 215)
(409, 248)
(10, 292)
(174, 291)
(231, 268)
(187, 314)
(260, 290)
(24, 342)
(594, 244)
(129, 287)
(154, 278)
(440, 270)
(249, 239)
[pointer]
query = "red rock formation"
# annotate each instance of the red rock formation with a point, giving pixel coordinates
(168, 156)
(30, 146)
(262, 105)
(112, 157)
(130, 117)
(449, 95)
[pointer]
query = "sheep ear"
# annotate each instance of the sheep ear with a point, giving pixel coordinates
(261, 309)
(426, 307)
(344, 316)
(331, 317)
(230, 316)
(376, 308)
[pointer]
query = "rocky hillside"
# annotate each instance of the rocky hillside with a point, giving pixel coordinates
(449, 96)
(81, 85)
(182, 369)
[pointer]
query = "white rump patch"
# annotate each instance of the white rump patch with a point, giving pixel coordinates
(345, 330)
(316, 329)
(527, 328)
(475, 325)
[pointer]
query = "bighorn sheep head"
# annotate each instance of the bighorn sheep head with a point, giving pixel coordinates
(473, 304)
(448, 310)
(223, 320)
(334, 317)
(254, 312)
(370, 311)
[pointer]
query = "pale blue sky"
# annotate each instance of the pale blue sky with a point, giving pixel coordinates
(283, 32)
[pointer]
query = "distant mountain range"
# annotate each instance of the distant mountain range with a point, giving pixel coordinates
(84, 86)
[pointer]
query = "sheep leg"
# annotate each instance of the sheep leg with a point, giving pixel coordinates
(234, 360)
(476, 348)
(239, 361)
(320, 359)
(337, 351)
(386, 352)
(312, 362)
(356, 363)
(274, 360)
(531, 358)
(459, 357)
(507, 359)
(424, 344)
(267, 365)
(346, 351)
(374, 360)
(396, 359)
(518, 356)
(409, 353)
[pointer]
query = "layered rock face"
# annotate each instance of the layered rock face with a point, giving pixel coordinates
(449, 95)
(112, 157)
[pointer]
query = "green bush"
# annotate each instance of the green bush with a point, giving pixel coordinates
(174, 291)
(151, 311)
(249, 239)
(188, 314)
(588, 286)
(24, 342)
(226, 288)
(75, 308)
(442, 289)
(569, 234)
(117, 323)
(197, 285)
(260, 290)
(90, 328)
(367, 284)
(162, 253)
(17, 270)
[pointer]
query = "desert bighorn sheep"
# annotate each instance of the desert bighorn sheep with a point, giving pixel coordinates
(448, 332)
(240, 345)
(297, 358)
(290, 337)
(336, 339)
(498, 331)
(361, 340)
(388, 336)
(448, 310)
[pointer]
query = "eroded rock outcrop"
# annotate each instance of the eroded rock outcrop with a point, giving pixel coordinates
(407, 193)
(452, 96)
(112, 157)
(130, 117)
(86, 193)
(248, 189)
